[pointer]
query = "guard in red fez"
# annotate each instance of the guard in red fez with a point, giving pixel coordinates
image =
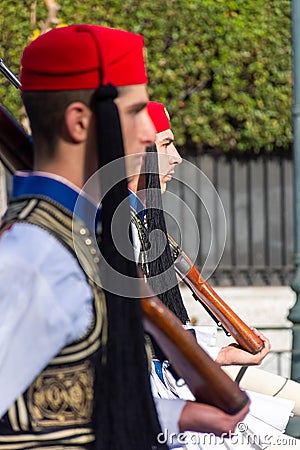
(83, 57)
(86, 383)
(155, 219)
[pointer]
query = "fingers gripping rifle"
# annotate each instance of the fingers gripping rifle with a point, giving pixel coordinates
(206, 380)
(204, 293)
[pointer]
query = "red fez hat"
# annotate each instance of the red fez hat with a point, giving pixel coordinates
(159, 116)
(83, 57)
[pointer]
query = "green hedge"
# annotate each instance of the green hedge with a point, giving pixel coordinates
(222, 67)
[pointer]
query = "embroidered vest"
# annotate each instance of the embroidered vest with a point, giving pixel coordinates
(143, 239)
(56, 410)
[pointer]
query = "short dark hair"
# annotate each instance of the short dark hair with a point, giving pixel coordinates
(45, 110)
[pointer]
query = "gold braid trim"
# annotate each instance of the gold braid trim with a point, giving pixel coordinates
(135, 219)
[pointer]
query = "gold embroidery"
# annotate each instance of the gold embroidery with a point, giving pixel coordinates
(12, 414)
(143, 241)
(22, 412)
(73, 439)
(62, 396)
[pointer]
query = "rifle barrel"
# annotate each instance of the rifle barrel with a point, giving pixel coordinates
(9, 74)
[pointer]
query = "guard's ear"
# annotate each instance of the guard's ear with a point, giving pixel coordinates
(77, 120)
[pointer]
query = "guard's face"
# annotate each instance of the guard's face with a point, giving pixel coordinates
(168, 157)
(137, 128)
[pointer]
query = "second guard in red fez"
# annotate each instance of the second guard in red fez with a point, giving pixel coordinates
(256, 380)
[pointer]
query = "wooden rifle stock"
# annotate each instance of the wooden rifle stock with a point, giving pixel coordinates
(189, 274)
(205, 378)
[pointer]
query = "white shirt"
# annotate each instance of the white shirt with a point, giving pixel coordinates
(45, 303)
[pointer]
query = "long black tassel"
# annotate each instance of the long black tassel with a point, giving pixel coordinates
(125, 414)
(166, 286)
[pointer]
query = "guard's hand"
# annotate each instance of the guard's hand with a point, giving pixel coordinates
(208, 419)
(233, 354)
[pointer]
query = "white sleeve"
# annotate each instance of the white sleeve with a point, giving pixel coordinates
(135, 242)
(169, 411)
(212, 351)
(206, 337)
(42, 309)
(30, 332)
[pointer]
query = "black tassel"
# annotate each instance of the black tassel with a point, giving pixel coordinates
(163, 264)
(125, 415)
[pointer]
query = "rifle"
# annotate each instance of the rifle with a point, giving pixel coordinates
(212, 302)
(205, 378)
(9, 74)
(15, 143)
